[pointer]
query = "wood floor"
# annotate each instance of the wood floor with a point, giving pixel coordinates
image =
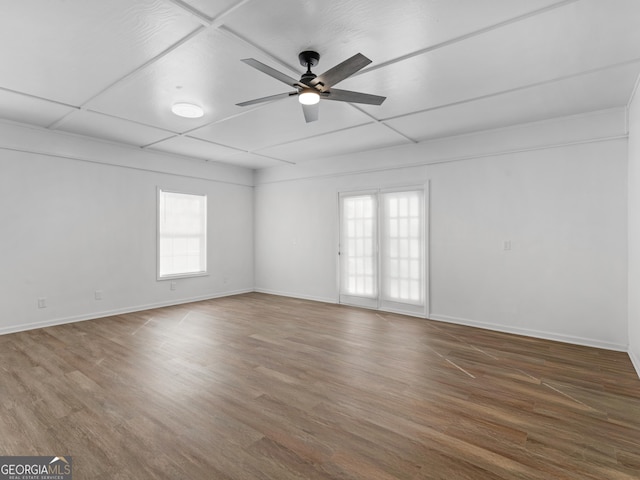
(263, 387)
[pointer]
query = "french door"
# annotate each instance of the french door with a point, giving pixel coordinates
(382, 245)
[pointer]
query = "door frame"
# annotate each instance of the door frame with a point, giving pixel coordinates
(379, 303)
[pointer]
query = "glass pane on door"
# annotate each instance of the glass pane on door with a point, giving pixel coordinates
(358, 246)
(402, 247)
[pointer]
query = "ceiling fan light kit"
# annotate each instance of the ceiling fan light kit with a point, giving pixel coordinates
(311, 87)
(308, 96)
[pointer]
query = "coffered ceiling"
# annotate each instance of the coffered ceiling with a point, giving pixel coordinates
(113, 69)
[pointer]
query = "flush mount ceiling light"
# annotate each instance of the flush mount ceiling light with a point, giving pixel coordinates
(309, 96)
(187, 110)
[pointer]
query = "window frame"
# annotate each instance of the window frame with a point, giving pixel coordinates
(205, 272)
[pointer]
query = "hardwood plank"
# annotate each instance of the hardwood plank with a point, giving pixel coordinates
(264, 387)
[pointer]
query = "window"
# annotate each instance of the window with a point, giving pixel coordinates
(382, 250)
(182, 234)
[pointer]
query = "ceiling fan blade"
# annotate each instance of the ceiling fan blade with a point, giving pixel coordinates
(353, 97)
(272, 72)
(270, 98)
(311, 112)
(341, 71)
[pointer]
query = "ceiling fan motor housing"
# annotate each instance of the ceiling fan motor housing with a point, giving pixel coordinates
(309, 58)
(307, 77)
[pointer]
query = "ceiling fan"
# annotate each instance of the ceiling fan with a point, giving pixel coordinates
(311, 88)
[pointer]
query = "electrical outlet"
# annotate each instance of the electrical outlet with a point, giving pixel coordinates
(97, 294)
(172, 286)
(42, 302)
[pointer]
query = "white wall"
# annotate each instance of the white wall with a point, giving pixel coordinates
(634, 231)
(563, 210)
(295, 241)
(79, 215)
(556, 190)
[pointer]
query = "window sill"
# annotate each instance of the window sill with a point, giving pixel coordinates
(182, 275)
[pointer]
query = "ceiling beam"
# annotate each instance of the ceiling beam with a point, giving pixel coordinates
(195, 13)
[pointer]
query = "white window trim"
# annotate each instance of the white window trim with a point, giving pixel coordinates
(205, 273)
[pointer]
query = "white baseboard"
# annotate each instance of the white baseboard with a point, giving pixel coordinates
(442, 318)
(399, 311)
(296, 295)
(558, 337)
(336, 302)
(635, 361)
(109, 313)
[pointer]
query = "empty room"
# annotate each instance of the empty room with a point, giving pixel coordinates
(303, 239)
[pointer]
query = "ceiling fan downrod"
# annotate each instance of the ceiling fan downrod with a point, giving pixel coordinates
(308, 59)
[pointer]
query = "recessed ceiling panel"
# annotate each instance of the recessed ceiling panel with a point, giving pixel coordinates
(578, 37)
(596, 91)
(113, 69)
(110, 128)
(380, 29)
(27, 109)
(193, 147)
(69, 51)
(205, 71)
(279, 122)
(366, 137)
